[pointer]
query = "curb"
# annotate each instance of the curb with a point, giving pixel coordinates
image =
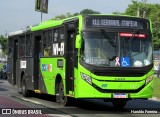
(155, 99)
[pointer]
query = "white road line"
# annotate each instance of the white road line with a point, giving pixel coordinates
(59, 115)
(31, 101)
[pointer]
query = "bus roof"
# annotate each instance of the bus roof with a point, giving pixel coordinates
(52, 23)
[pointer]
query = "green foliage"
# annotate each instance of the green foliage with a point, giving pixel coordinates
(83, 12)
(156, 87)
(117, 13)
(62, 16)
(1, 65)
(155, 18)
(156, 42)
(136, 8)
(89, 11)
(3, 43)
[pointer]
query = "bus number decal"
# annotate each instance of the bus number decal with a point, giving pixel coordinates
(57, 50)
(62, 49)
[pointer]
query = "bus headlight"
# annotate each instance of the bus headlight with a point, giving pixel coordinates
(86, 78)
(149, 79)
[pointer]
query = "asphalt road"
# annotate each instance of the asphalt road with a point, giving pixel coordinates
(82, 108)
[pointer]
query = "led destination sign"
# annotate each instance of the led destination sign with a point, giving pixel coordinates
(106, 22)
(115, 22)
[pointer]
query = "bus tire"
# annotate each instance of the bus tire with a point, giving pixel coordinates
(62, 99)
(25, 91)
(119, 104)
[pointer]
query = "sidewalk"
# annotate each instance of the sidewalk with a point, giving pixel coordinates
(8, 103)
(155, 98)
(8, 107)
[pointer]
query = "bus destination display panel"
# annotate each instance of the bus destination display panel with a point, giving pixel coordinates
(116, 22)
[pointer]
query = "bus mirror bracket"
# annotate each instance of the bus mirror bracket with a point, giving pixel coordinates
(78, 42)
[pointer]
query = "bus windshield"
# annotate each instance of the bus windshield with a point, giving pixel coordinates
(99, 50)
(114, 49)
(136, 49)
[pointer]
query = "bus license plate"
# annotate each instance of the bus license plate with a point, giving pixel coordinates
(120, 96)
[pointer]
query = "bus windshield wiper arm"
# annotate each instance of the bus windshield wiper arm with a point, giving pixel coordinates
(133, 35)
(108, 37)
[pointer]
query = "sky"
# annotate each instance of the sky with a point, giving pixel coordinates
(18, 14)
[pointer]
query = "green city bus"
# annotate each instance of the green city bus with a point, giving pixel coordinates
(107, 57)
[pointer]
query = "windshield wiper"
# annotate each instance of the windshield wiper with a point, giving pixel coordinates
(110, 40)
(133, 35)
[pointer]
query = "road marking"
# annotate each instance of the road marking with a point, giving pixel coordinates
(31, 101)
(62, 115)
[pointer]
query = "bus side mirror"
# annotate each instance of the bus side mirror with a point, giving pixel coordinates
(78, 42)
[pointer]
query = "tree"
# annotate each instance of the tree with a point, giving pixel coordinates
(62, 16)
(83, 12)
(3, 43)
(154, 17)
(89, 11)
(117, 13)
(75, 14)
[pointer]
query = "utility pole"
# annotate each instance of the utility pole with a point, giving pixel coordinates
(144, 8)
(138, 12)
(138, 8)
(41, 10)
(41, 15)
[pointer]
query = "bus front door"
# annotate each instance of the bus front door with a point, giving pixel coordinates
(15, 56)
(70, 57)
(37, 47)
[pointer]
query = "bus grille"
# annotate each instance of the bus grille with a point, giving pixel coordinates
(117, 91)
(120, 73)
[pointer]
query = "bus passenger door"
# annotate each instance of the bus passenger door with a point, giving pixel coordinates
(70, 61)
(15, 56)
(37, 48)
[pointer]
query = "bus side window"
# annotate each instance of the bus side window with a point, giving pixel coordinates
(10, 52)
(29, 45)
(55, 34)
(22, 46)
(46, 51)
(10, 49)
(47, 43)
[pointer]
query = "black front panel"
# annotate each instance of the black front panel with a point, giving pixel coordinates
(70, 54)
(118, 71)
(70, 60)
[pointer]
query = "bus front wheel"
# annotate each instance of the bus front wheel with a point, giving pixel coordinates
(62, 99)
